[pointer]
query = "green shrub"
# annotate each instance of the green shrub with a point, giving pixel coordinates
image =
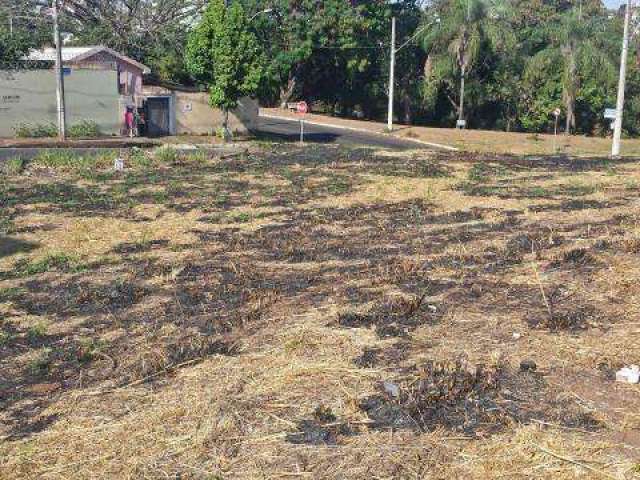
(36, 130)
(85, 129)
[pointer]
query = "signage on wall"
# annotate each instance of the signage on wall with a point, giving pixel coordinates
(187, 107)
(11, 99)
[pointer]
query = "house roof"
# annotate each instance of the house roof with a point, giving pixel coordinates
(77, 54)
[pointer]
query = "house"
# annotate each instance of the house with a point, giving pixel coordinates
(129, 71)
(100, 84)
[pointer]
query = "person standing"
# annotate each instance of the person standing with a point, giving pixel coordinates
(130, 122)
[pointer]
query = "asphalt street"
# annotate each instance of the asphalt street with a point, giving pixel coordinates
(289, 130)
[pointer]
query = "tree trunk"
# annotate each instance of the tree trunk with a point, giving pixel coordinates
(570, 93)
(408, 113)
(226, 134)
(286, 92)
(461, 107)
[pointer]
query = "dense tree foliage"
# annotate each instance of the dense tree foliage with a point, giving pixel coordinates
(224, 55)
(498, 64)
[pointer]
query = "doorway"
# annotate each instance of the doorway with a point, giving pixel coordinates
(158, 116)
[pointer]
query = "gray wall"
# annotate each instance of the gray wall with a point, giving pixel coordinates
(30, 97)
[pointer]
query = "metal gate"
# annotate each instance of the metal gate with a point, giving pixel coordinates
(158, 116)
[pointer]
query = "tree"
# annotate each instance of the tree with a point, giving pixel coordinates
(465, 31)
(574, 45)
(22, 27)
(223, 54)
(151, 31)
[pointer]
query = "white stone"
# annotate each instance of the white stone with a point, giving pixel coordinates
(628, 374)
(392, 389)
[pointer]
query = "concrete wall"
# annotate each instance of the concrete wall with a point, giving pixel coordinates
(195, 116)
(192, 114)
(30, 97)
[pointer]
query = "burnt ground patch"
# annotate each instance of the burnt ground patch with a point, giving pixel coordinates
(474, 399)
(394, 317)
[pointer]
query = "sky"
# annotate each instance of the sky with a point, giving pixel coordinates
(613, 3)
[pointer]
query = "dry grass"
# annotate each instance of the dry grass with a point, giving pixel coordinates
(237, 318)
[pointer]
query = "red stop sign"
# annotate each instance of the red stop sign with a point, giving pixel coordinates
(303, 108)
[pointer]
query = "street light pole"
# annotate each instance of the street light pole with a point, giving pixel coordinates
(392, 75)
(59, 69)
(617, 129)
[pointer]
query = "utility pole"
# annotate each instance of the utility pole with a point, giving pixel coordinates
(59, 68)
(617, 129)
(392, 75)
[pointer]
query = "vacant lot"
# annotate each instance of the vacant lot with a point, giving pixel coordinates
(319, 313)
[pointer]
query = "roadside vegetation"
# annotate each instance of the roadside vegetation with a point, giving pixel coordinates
(318, 312)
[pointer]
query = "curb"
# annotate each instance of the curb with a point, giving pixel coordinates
(362, 130)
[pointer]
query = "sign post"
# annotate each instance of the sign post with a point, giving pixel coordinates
(611, 114)
(302, 108)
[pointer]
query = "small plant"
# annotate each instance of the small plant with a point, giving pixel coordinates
(5, 338)
(166, 155)
(241, 218)
(138, 158)
(11, 293)
(198, 157)
(37, 332)
(14, 166)
(41, 364)
(224, 134)
(85, 129)
(61, 262)
(88, 349)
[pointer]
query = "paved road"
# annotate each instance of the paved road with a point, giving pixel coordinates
(289, 130)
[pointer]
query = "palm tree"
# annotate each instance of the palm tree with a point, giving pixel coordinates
(573, 44)
(455, 45)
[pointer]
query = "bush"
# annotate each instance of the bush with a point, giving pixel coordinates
(85, 129)
(37, 130)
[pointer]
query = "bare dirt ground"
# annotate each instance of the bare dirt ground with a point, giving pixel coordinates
(319, 312)
(485, 141)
